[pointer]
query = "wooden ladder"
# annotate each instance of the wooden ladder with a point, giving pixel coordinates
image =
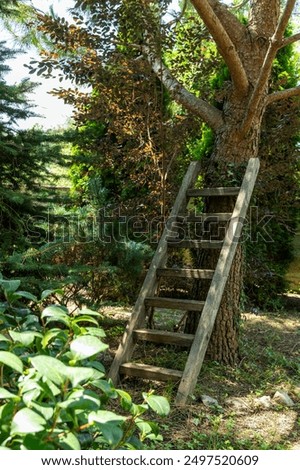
(148, 297)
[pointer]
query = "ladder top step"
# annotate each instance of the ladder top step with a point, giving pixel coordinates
(229, 191)
(185, 273)
(164, 337)
(177, 304)
(150, 372)
(205, 244)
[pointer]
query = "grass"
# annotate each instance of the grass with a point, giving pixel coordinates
(269, 362)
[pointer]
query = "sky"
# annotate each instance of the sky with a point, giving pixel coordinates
(54, 113)
(53, 110)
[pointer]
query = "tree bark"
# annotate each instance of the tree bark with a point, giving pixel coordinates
(249, 52)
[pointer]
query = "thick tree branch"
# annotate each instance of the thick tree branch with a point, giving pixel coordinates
(262, 81)
(211, 115)
(283, 95)
(290, 40)
(235, 29)
(206, 9)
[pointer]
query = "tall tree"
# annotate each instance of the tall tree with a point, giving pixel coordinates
(248, 47)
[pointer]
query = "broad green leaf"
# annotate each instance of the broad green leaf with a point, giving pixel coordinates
(97, 365)
(4, 338)
(126, 401)
(96, 332)
(109, 424)
(31, 395)
(10, 286)
(48, 292)
(11, 360)
(105, 387)
(87, 311)
(81, 400)
(51, 334)
(26, 338)
(86, 346)
(31, 442)
(51, 368)
(158, 404)
(56, 313)
(143, 426)
(45, 410)
(137, 410)
(27, 295)
(69, 442)
(85, 319)
(78, 375)
(27, 421)
(5, 394)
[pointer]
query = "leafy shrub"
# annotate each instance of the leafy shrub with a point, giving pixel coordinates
(53, 390)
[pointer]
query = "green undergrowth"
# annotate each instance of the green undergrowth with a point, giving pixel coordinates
(54, 393)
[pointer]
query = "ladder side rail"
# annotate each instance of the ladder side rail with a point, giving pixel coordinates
(214, 297)
(149, 286)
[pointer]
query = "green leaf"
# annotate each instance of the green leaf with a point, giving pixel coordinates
(27, 421)
(81, 400)
(53, 333)
(51, 368)
(126, 401)
(48, 292)
(56, 313)
(86, 319)
(158, 404)
(91, 313)
(86, 346)
(44, 410)
(106, 388)
(10, 286)
(4, 338)
(6, 395)
(32, 442)
(109, 424)
(27, 295)
(25, 338)
(96, 332)
(69, 442)
(77, 375)
(11, 360)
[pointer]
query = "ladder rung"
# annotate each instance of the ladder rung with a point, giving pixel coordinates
(178, 304)
(164, 337)
(186, 273)
(230, 191)
(150, 372)
(202, 217)
(205, 244)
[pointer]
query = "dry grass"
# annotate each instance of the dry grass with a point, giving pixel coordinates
(270, 345)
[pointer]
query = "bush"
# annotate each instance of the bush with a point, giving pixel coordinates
(53, 390)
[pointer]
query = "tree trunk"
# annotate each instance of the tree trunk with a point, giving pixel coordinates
(231, 153)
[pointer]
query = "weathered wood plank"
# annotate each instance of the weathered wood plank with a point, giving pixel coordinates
(176, 304)
(230, 191)
(210, 310)
(149, 287)
(197, 244)
(185, 273)
(164, 337)
(146, 371)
